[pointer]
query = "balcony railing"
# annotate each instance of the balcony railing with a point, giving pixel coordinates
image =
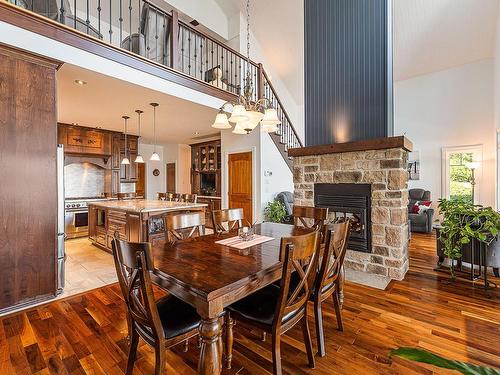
(144, 28)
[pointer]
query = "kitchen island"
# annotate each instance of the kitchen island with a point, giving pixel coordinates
(136, 220)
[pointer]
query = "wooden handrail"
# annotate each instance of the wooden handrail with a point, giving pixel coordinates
(261, 94)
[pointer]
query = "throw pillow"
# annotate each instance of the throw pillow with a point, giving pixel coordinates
(415, 208)
(423, 206)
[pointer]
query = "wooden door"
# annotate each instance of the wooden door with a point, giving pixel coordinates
(140, 185)
(240, 183)
(171, 177)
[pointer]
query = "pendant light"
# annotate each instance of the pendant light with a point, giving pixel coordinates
(138, 158)
(125, 160)
(155, 156)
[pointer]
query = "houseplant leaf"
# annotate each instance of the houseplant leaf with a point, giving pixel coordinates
(424, 356)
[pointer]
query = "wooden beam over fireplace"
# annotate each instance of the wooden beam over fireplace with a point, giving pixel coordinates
(365, 145)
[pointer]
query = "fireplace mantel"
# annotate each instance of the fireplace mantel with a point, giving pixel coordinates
(400, 142)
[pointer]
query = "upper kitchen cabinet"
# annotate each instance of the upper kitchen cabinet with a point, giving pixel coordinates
(78, 140)
(128, 172)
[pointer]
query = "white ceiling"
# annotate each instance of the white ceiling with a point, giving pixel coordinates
(104, 100)
(433, 35)
(278, 26)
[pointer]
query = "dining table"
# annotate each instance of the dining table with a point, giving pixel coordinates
(211, 276)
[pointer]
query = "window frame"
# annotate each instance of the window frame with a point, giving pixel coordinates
(477, 151)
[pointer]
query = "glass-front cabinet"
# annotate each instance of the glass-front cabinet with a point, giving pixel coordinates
(205, 168)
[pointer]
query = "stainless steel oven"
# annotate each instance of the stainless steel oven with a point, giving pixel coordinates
(76, 222)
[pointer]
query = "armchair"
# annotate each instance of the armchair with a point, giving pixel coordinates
(420, 222)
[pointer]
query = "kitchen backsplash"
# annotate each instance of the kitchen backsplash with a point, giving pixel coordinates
(83, 179)
(127, 187)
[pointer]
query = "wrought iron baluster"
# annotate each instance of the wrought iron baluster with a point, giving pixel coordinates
(189, 51)
(99, 16)
(110, 21)
(62, 11)
(195, 54)
(182, 49)
(164, 41)
(120, 19)
(156, 35)
(87, 21)
(201, 58)
(74, 15)
(221, 66)
(130, 26)
(46, 6)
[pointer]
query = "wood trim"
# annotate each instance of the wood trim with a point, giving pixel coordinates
(17, 53)
(51, 29)
(369, 144)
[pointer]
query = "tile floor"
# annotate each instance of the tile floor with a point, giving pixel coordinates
(87, 267)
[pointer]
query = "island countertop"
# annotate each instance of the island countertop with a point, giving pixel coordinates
(147, 205)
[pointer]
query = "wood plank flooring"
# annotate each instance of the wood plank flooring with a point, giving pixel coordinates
(85, 334)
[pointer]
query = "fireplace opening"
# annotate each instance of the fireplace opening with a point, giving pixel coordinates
(352, 202)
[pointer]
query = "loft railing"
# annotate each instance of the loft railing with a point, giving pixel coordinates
(143, 28)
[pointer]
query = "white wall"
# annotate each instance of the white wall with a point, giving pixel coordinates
(453, 107)
(180, 154)
(154, 184)
(281, 178)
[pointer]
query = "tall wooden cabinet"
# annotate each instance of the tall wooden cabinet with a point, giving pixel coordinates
(28, 192)
(206, 168)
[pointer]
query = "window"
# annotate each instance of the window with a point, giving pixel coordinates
(457, 176)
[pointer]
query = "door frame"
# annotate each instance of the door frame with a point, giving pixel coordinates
(225, 179)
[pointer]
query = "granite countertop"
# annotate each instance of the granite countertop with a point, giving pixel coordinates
(208, 197)
(145, 205)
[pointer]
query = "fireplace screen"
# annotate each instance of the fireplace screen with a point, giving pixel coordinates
(348, 202)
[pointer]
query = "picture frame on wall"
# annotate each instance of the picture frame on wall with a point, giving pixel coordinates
(414, 165)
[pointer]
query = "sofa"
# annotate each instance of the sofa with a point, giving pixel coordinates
(420, 222)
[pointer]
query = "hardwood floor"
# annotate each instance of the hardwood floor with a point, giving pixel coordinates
(85, 334)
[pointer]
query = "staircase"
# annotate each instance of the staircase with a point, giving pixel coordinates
(142, 29)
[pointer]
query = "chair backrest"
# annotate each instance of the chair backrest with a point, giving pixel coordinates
(418, 194)
(309, 217)
(336, 241)
(161, 196)
(189, 198)
(133, 262)
(227, 220)
(299, 254)
(122, 196)
(184, 226)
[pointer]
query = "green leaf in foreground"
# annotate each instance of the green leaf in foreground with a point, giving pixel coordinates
(423, 356)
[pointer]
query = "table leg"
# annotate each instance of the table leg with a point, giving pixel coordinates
(210, 356)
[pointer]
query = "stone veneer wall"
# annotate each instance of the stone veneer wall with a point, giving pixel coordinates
(386, 171)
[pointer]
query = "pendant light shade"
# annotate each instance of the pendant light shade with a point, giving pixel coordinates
(254, 118)
(125, 160)
(269, 128)
(238, 129)
(270, 117)
(138, 158)
(239, 114)
(221, 122)
(154, 156)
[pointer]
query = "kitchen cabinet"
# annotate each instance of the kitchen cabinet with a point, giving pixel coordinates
(78, 140)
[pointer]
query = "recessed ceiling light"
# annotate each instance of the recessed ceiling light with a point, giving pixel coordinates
(196, 133)
(80, 82)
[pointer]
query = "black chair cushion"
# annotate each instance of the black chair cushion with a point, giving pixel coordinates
(177, 317)
(260, 306)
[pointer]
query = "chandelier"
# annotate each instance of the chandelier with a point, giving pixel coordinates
(246, 113)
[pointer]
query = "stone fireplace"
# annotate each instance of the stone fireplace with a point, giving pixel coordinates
(366, 181)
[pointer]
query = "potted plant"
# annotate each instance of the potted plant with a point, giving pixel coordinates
(275, 211)
(464, 222)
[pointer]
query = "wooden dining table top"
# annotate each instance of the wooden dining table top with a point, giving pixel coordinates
(210, 270)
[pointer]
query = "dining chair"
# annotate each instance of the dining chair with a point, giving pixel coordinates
(276, 309)
(123, 196)
(184, 226)
(227, 220)
(161, 323)
(161, 196)
(175, 197)
(189, 198)
(310, 217)
(326, 284)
